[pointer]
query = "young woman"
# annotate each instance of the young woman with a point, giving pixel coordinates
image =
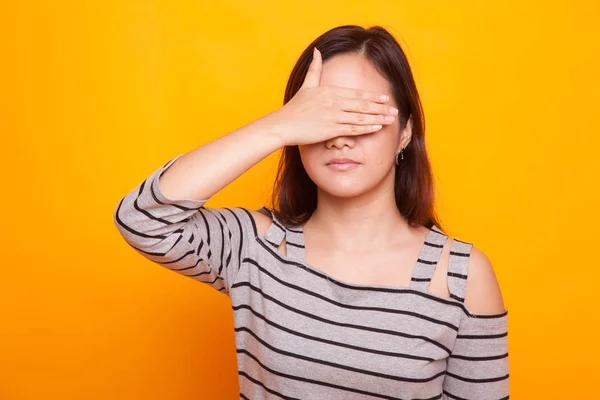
(346, 287)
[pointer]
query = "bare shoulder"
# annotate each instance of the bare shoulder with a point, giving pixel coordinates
(262, 221)
(483, 294)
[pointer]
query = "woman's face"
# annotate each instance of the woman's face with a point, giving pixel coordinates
(374, 152)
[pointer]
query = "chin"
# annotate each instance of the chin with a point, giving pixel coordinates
(341, 186)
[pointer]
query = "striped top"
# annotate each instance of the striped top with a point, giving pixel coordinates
(303, 334)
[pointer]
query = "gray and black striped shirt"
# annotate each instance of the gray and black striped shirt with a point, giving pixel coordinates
(303, 334)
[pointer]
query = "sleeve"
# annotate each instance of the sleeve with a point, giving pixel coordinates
(478, 367)
(206, 244)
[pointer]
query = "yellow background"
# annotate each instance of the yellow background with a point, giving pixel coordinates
(96, 95)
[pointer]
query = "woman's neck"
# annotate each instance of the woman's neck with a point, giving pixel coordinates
(365, 222)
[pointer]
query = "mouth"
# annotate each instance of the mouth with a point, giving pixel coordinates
(344, 164)
(342, 160)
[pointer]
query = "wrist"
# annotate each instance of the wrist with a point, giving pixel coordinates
(272, 127)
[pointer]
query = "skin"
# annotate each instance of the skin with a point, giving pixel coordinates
(356, 234)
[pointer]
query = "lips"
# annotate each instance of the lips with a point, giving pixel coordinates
(342, 161)
(342, 164)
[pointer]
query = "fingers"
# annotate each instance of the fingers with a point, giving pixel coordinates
(365, 119)
(367, 107)
(362, 112)
(313, 76)
(355, 130)
(357, 94)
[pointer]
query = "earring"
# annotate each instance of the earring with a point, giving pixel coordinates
(401, 154)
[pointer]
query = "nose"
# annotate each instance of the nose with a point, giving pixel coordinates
(339, 142)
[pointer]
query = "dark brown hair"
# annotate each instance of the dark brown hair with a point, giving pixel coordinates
(294, 195)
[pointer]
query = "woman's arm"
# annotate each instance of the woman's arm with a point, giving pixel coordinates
(165, 220)
(204, 171)
(206, 244)
(478, 368)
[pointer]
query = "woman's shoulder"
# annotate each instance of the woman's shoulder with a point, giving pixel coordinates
(261, 218)
(483, 294)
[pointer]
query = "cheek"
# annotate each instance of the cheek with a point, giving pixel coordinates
(307, 151)
(380, 149)
(309, 155)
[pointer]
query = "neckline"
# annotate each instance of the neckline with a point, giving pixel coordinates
(366, 287)
(297, 232)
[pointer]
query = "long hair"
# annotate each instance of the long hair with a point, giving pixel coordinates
(294, 196)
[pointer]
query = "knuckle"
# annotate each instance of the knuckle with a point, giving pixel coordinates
(360, 117)
(330, 115)
(359, 94)
(364, 105)
(337, 103)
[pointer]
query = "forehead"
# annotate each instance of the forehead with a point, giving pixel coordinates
(353, 71)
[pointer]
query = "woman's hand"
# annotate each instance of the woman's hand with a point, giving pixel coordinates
(318, 113)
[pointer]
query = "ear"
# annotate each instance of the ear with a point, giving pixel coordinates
(405, 135)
